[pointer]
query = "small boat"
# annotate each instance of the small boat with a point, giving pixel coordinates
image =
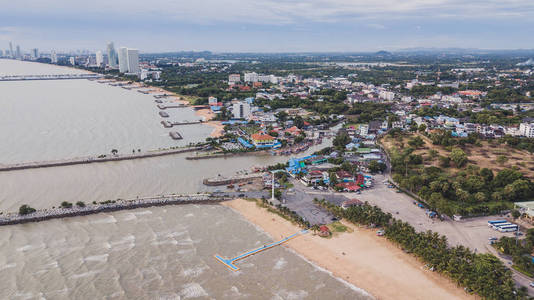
(230, 186)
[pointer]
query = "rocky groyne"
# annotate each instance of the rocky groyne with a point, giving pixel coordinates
(108, 206)
(97, 159)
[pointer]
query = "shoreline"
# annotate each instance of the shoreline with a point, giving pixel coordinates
(360, 258)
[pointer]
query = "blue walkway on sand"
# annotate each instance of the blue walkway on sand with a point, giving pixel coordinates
(229, 262)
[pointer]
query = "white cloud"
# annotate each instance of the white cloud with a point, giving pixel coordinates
(279, 11)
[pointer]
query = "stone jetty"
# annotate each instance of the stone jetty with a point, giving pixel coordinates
(92, 159)
(108, 206)
(220, 180)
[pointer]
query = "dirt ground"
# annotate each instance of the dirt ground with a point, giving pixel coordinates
(484, 156)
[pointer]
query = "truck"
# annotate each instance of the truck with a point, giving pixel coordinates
(494, 222)
(497, 226)
(509, 228)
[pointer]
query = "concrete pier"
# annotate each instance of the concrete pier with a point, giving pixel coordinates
(49, 77)
(168, 124)
(92, 159)
(231, 180)
(230, 262)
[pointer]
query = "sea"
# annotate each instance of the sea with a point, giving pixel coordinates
(148, 253)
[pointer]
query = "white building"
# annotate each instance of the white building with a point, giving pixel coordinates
(251, 77)
(234, 78)
(268, 78)
(123, 59)
(527, 130)
(34, 53)
(99, 58)
(72, 61)
(212, 101)
(364, 129)
(129, 61)
(406, 99)
(133, 61)
(389, 96)
(112, 56)
(241, 110)
(53, 57)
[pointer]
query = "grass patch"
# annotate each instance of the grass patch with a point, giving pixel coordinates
(338, 227)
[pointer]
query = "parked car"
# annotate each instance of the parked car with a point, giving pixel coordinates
(380, 232)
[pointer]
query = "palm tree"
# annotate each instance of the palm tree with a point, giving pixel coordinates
(114, 151)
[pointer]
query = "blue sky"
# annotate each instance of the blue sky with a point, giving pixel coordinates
(268, 25)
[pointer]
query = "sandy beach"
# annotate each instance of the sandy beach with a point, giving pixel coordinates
(207, 115)
(360, 258)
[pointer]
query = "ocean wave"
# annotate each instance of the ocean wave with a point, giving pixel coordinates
(193, 290)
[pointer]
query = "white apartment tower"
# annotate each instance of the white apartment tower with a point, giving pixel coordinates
(123, 59)
(241, 110)
(11, 53)
(35, 53)
(527, 130)
(99, 58)
(128, 60)
(113, 60)
(53, 57)
(133, 61)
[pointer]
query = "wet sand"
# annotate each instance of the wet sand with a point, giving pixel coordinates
(360, 257)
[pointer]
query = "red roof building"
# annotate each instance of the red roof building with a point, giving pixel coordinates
(349, 186)
(294, 130)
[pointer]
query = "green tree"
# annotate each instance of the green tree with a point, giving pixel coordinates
(459, 157)
(341, 140)
(422, 127)
(66, 204)
(26, 209)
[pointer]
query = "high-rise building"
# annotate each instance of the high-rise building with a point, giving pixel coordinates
(123, 59)
(18, 54)
(241, 110)
(133, 61)
(112, 56)
(99, 58)
(53, 57)
(11, 53)
(34, 53)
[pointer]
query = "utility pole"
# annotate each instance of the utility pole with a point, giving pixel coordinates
(272, 187)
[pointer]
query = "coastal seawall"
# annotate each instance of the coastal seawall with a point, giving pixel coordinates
(109, 206)
(92, 159)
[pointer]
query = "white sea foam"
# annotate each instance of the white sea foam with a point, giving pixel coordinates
(193, 290)
(194, 272)
(141, 213)
(129, 217)
(280, 264)
(107, 220)
(168, 242)
(8, 266)
(99, 258)
(86, 274)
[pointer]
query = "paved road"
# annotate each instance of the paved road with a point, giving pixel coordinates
(473, 232)
(300, 199)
